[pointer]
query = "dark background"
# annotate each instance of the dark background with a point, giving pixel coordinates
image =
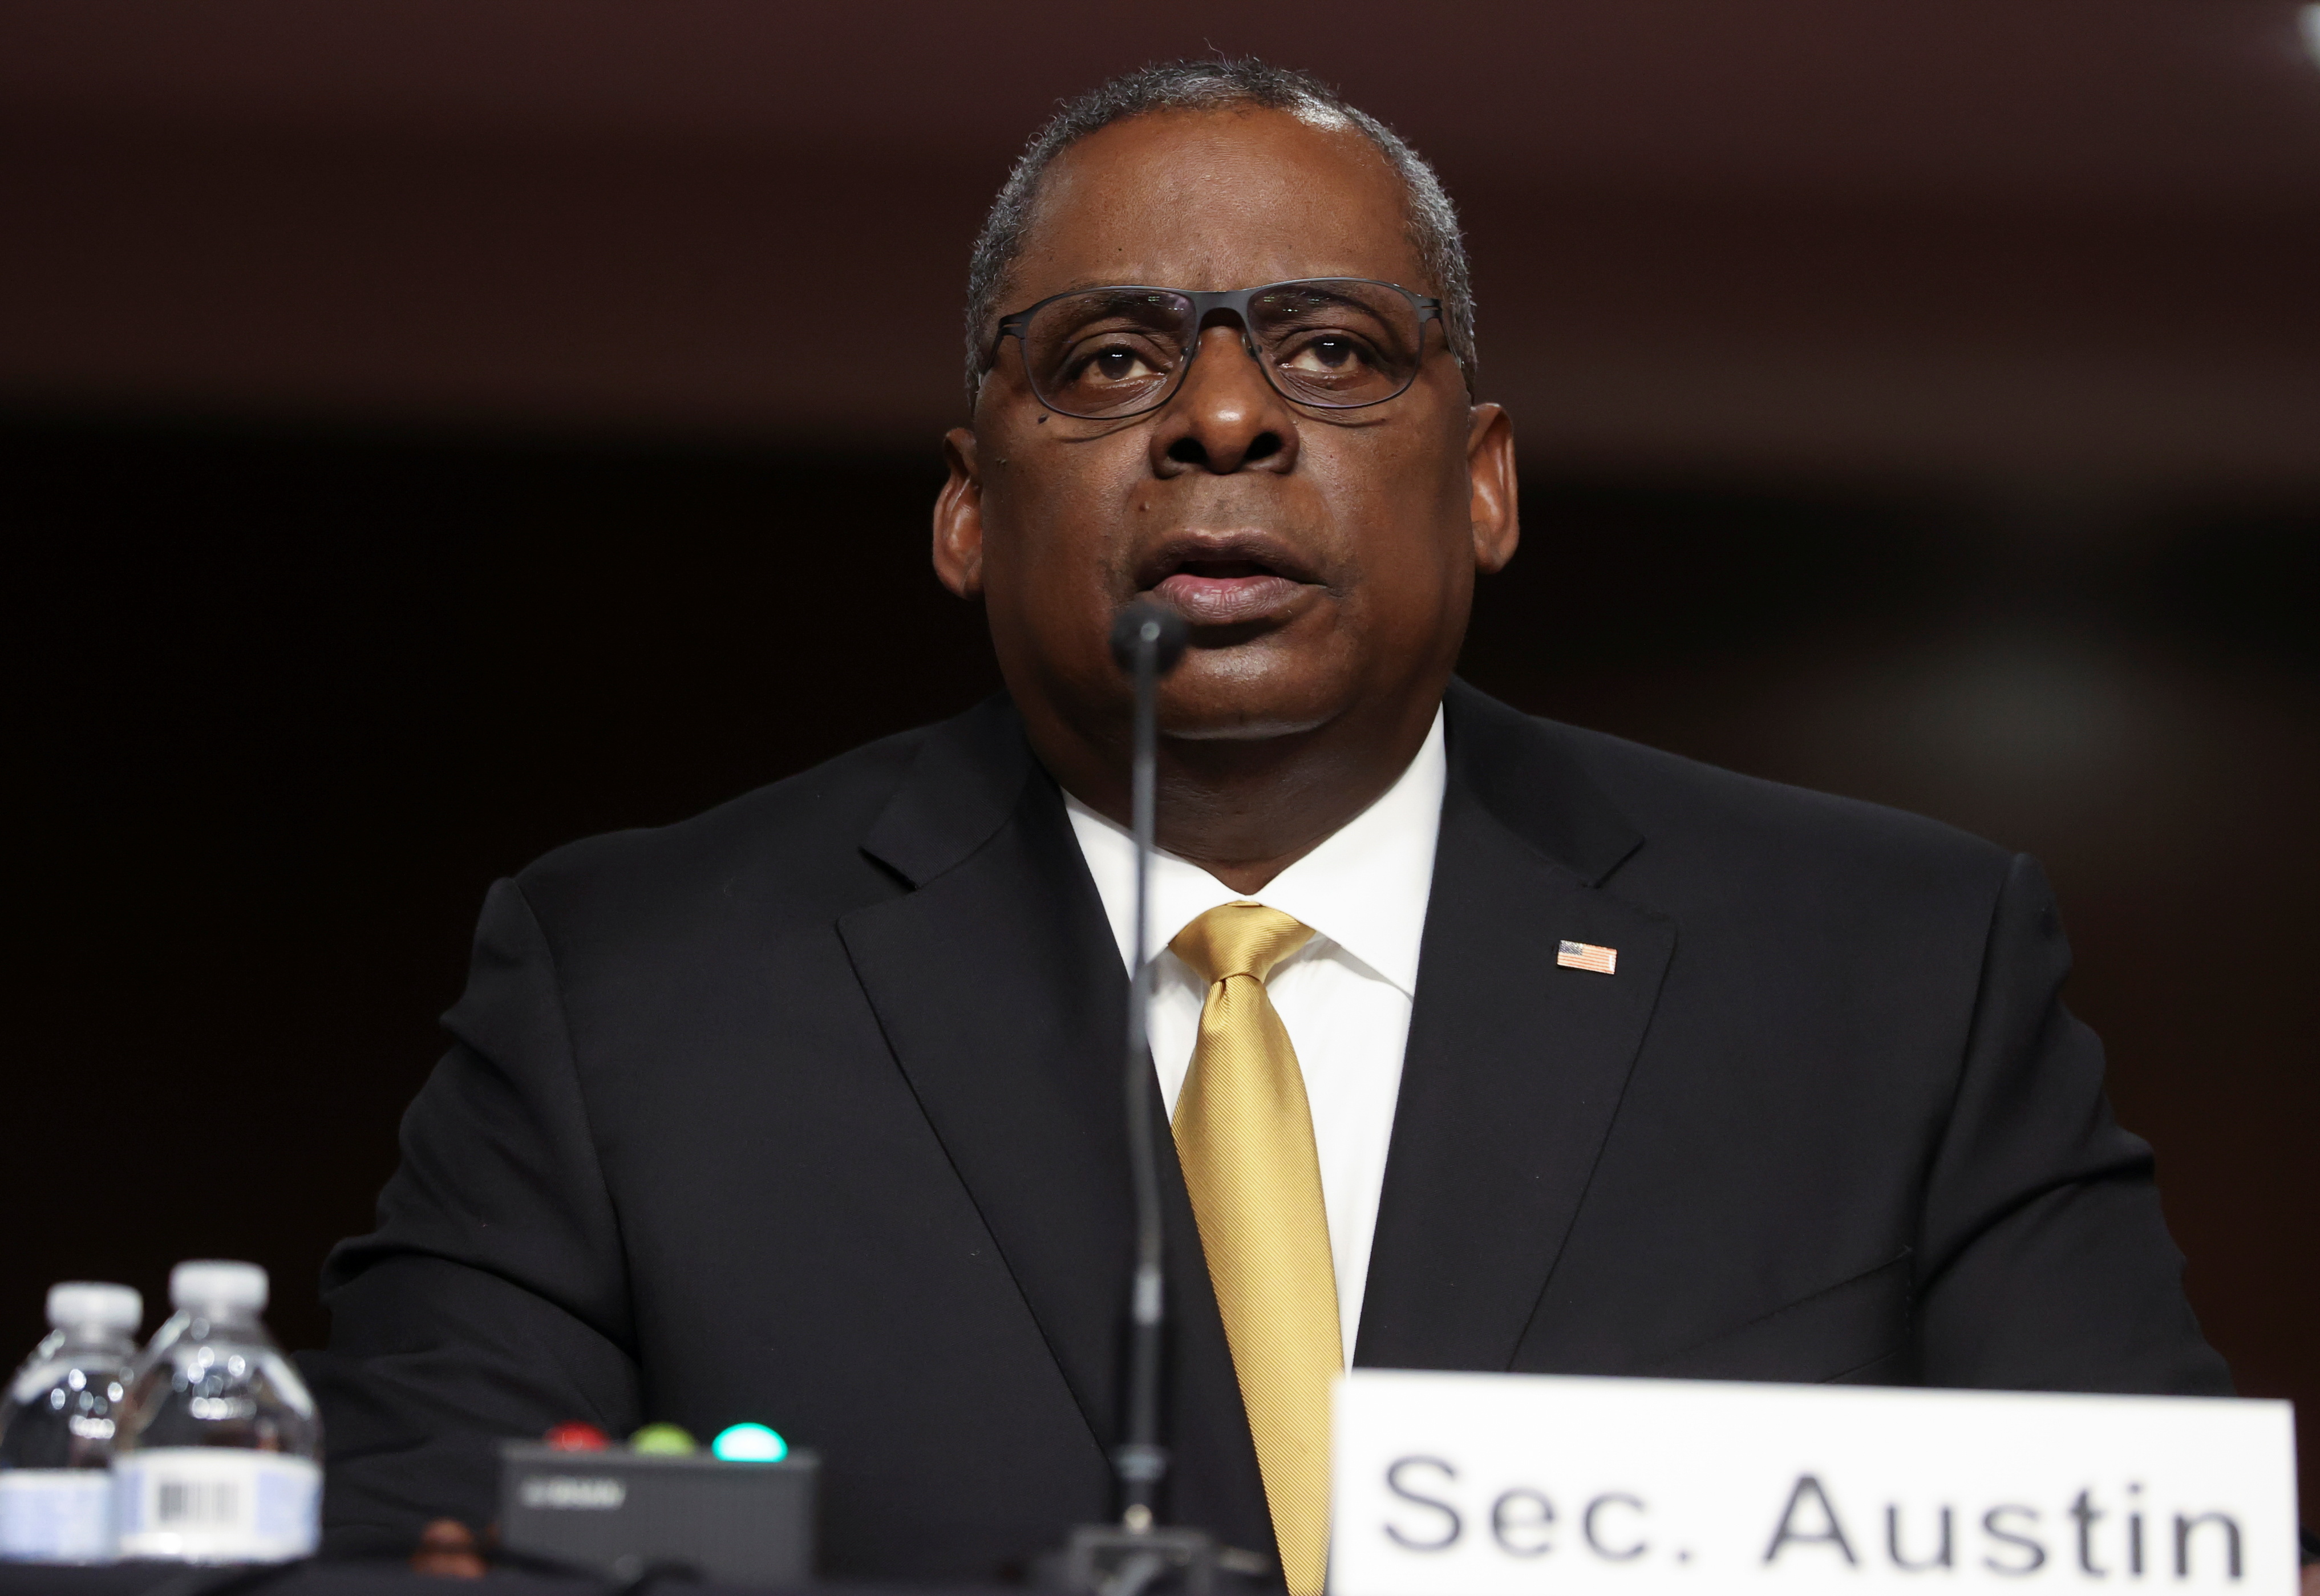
(429, 433)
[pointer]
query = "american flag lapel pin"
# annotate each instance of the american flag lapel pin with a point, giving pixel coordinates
(1586, 956)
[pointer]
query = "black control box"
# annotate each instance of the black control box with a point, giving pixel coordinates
(622, 1511)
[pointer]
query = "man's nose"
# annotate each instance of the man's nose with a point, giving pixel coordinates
(1225, 417)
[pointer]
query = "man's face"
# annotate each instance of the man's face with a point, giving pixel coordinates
(1324, 559)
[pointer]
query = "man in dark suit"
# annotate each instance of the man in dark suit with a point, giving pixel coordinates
(1489, 1043)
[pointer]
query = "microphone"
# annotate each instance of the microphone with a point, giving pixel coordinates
(1146, 642)
(1143, 626)
(1136, 1556)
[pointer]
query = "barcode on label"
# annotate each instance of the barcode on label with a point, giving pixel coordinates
(185, 1503)
(216, 1504)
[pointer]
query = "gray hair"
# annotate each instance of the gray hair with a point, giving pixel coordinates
(1218, 85)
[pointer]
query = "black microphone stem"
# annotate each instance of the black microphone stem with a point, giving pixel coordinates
(1139, 1556)
(1141, 1462)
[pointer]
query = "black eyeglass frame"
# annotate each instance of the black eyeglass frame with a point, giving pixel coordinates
(1205, 304)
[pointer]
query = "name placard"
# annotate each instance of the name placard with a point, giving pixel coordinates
(1485, 1485)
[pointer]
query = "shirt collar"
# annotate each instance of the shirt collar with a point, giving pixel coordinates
(1364, 888)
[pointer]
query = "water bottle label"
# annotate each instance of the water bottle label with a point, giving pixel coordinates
(55, 1515)
(217, 1505)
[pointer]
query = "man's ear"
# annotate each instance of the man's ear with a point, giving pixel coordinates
(959, 518)
(1491, 468)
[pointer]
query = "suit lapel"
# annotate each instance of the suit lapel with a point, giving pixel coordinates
(1515, 1065)
(999, 990)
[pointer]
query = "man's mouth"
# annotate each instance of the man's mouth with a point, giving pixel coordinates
(1226, 582)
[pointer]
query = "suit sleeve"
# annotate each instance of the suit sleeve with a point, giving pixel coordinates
(492, 1300)
(2044, 1264)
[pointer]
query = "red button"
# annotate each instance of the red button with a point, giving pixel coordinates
(577, 1438)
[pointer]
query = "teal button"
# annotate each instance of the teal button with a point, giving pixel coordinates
(749, 1443)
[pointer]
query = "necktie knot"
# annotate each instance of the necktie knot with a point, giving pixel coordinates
(1239, 939)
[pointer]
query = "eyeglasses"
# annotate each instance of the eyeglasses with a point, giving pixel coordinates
(1340, 343)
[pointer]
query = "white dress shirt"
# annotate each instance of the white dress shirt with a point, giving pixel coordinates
(1343, 997)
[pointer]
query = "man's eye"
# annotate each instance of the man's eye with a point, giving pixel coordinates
(1117, 365)
(1329, 352)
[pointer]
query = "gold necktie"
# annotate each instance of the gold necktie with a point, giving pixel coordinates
(1245, 1137)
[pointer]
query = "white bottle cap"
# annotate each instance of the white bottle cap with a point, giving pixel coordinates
(214, 1285)
(96, 1305)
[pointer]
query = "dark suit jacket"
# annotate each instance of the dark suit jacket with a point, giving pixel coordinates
(808, 1110)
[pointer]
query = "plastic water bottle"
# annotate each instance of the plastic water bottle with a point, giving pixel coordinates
(218, 1456)
(56, 1431)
